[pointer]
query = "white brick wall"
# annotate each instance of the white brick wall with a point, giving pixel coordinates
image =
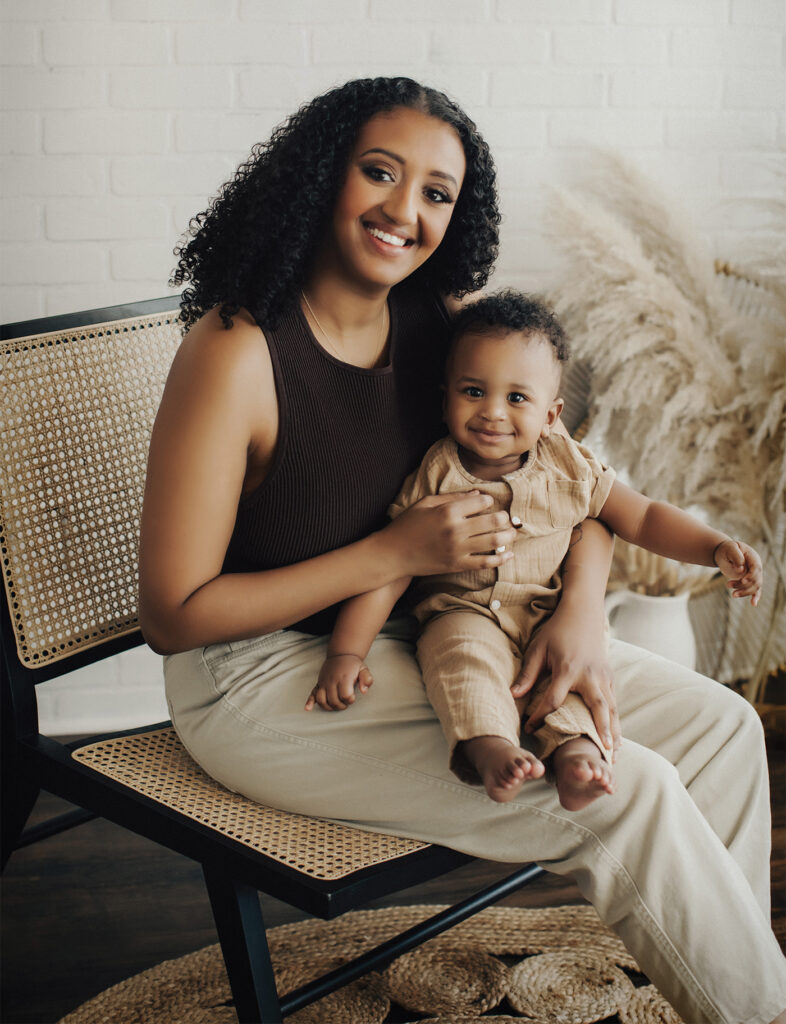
(121, 117)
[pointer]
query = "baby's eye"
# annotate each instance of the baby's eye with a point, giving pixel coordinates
(472, 392)
(438, 195)
(516, 397)
(377, 173)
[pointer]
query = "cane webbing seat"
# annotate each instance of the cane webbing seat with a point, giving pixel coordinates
(156, 764)
(79, 396)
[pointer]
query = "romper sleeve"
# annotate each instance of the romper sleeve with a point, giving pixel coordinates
(601, 479)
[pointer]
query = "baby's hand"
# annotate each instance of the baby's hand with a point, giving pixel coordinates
(741, 566)
(338, 677)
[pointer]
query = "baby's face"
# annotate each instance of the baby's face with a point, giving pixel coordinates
(500, 398)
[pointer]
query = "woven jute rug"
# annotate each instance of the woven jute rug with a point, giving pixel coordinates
(557, 965)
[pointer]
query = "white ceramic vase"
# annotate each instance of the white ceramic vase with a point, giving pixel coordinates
(659, 624)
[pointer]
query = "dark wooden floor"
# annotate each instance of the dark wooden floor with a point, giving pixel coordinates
(96, 905)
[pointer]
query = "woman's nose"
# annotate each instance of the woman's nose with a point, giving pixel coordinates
(400, 205)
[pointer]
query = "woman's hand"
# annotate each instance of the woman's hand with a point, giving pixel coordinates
(451, 533)
(339, 676)
(572, 649)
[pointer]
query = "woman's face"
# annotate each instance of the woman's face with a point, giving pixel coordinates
(403, 180)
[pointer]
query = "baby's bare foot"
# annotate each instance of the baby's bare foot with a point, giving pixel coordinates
(582, 774)
(502, 766)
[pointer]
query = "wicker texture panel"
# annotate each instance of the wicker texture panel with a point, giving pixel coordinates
(78, 407)
(156, 765)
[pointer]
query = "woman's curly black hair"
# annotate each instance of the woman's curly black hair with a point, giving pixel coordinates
(251, 248)
(507, 311)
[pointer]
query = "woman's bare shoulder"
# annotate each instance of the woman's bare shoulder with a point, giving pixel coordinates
(209, 346)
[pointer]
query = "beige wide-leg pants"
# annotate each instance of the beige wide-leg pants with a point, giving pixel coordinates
(468, 665)
(676, 861)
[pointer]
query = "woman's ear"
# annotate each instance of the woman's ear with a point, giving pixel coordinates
(552, 416)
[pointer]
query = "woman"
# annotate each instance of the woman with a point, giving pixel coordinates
(305, 390)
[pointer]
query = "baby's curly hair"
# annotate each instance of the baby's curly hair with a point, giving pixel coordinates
(510, 310)
(253, 244)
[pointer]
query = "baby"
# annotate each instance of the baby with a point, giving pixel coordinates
(502, 409)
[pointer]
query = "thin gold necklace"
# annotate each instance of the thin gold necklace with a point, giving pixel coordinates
(330, 344)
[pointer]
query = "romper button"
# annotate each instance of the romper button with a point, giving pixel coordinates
(495, 605)
(515, 520)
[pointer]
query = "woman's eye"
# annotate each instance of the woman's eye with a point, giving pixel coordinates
(377, 173)
(437, 195)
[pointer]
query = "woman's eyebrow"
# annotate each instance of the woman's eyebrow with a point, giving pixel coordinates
(402, 161)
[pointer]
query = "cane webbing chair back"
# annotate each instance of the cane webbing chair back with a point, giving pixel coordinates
(79, 396)
(78, 407)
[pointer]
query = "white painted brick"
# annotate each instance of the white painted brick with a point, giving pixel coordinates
(53, 175)
(521, 129)
(729, 47)
(105, 131)
(334, 44)
(782, 131)
(676, 173)
(286, 88)
(57, 264)
(171, 88)
(758, 12)
(141, 667)
(97, 294)
(306, 12)
(52, 10)
(36, 89)
(523, 170)
(551, 11)
(526, 255)
(671, 12)
(547, 88)
(752, 174)
(745, 90)
(20, 133)
(142, 261)
(21, 220)
(437, 11)
(21, 302)
(19, 44)
(634, 87)
(722, 129)
(105, 218)
(170, 10)
(616, 127)
(240, 43)
(106, 44)
(496, 44)
(233, 134)
(162, 176)
(610, 44)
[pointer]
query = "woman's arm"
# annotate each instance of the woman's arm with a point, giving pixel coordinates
(571, 644)
(215, 431)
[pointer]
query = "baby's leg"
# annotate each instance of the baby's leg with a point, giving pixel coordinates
(468, 666)
(581, 765)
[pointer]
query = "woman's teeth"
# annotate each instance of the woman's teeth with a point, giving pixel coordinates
(383, 236)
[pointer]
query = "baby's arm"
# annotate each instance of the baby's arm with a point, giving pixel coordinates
(667, 530)
(358, 622)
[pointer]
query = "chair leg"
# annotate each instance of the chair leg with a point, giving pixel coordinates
(19, 794)
(241, 932)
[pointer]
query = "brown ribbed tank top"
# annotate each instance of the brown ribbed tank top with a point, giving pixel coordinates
(347, 437)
